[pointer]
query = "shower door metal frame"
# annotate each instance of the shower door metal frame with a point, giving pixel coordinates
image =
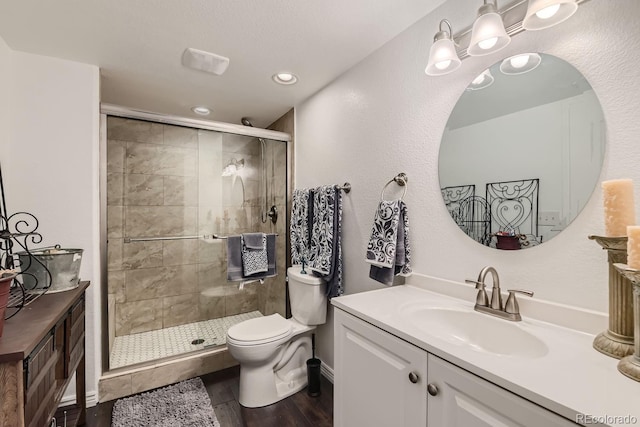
(129, 113)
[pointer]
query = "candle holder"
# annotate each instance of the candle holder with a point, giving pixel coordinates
(617, 340)
(630, 365)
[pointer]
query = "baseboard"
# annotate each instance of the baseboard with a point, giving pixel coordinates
(327, 371)
(92, 400)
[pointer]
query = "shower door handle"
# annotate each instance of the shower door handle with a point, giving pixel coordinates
(273, 214)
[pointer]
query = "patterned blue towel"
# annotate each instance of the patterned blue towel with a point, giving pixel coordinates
(299, 231)
(254, 253)
(235, 268)
(388, 251)
(325, 253)
(381, 250)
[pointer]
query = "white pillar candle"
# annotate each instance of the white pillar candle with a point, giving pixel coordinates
(619, 208)
(633, 247)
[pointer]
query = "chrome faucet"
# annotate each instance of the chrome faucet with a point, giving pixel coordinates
(510, 310)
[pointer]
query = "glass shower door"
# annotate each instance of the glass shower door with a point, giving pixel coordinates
(170, 190)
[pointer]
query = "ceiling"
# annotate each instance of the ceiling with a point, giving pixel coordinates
(138, 45)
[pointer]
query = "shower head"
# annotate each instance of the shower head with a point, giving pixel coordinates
(245, 121)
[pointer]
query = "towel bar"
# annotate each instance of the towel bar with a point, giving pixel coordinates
(153, 239)
(346, 187)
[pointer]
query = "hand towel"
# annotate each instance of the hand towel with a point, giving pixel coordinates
(234, 259)
(389, 250)
(299, 230)
(254, 253)
(325, 252)
(381, 250)
(254, 240)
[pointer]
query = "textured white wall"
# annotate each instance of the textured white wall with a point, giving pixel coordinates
(5, 84)
(386, 116)
(53, 165)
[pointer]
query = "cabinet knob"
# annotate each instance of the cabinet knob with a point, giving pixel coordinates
(413, 377)
(432, 389)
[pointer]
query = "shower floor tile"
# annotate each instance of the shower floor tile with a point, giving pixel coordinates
(161, 343)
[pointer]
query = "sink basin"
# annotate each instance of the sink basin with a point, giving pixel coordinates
(479, 331)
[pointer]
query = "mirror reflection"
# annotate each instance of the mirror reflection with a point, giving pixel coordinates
(521, 152)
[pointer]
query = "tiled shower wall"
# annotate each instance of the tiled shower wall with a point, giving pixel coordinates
(165, 180)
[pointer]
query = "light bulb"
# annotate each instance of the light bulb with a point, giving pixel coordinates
(201, 110)
(519, 61)
(285, 77)
(548, 11)
(442, 65)
(488, 43)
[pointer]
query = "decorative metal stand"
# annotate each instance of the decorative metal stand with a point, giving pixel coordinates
(513, 205)
(18, 231)
(617, 341)
(630, 365)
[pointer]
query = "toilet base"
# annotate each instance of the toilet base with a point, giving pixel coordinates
(265, 385)
(264, 396)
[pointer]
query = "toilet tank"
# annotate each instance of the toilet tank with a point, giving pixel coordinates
(308, 297)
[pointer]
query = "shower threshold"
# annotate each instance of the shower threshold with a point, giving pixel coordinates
(173, 341)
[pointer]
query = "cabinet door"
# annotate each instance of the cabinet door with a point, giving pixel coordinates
(465, 400)
(372, 384)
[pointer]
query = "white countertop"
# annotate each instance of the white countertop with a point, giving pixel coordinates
(571, 378)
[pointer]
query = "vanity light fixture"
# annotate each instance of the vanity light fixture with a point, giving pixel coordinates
(285, 78)
(201, 110)
(520, 64)
(488, 34)
(492, 30)
(547, 13)
(443, 58)
(485, 79)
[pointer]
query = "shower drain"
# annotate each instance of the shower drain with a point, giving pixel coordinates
(197, 341)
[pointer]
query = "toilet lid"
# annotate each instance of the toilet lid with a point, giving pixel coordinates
(261, 329)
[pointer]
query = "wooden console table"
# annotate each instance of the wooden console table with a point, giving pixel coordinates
(40, 350)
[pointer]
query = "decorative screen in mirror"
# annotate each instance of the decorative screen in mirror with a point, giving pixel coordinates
(521, 154)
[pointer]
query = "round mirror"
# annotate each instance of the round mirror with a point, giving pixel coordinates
(522, 151)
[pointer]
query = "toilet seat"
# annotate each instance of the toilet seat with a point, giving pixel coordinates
(261, 330)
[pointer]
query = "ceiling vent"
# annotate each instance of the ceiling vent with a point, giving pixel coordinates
(205, 61)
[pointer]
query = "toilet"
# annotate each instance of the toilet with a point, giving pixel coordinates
(273, 351)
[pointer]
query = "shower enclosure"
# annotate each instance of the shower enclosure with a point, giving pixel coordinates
(172, 194)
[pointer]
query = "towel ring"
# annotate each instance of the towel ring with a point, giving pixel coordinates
(401, 179)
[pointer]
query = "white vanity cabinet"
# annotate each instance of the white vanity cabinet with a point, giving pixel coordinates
(382, 380)
(466, 400)
(379, 380)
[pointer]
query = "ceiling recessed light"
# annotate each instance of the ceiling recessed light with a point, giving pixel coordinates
(285, 78)
(203, 111)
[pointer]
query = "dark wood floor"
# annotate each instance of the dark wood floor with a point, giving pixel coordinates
(299, 410)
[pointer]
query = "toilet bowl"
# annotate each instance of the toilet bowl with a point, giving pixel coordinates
(272, 351)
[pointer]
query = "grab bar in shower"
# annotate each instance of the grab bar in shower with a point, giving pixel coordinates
(153, 239)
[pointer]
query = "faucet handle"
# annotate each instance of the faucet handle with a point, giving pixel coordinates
(481, 298)
(479, 285)
(511, 306)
